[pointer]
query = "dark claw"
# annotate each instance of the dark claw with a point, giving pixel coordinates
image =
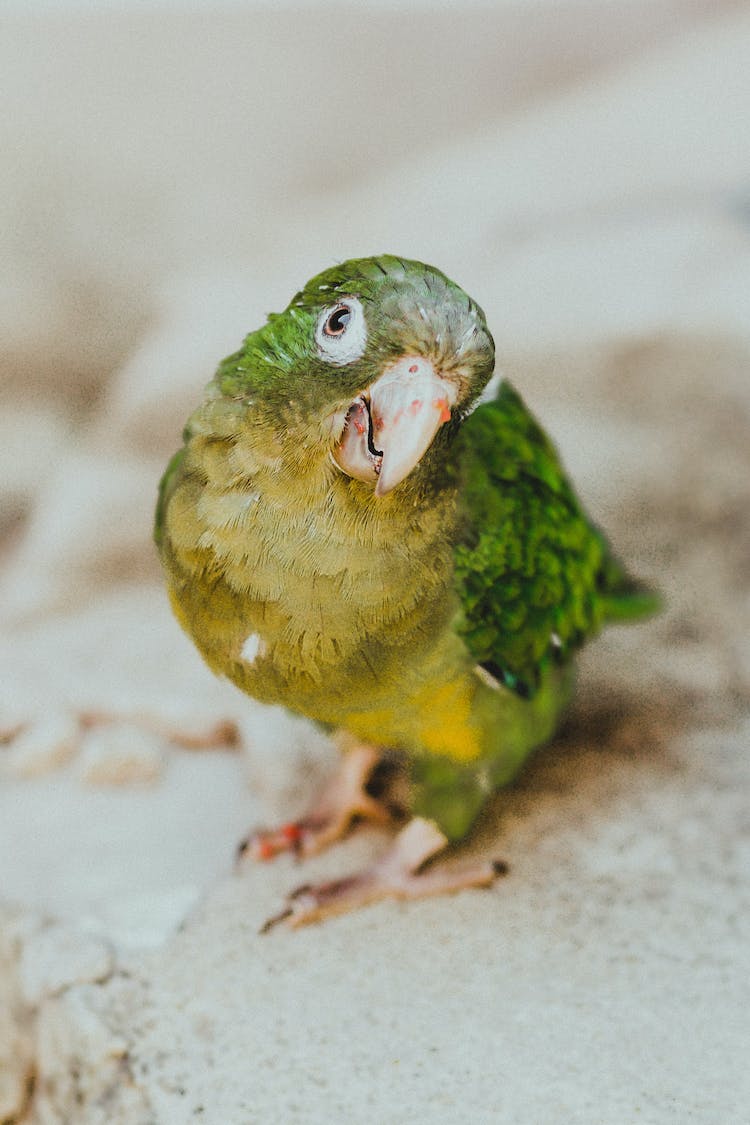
(275, 919)
(289, 909)
(316, 896)
(303, 889)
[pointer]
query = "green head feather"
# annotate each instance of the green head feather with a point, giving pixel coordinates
(407, 307)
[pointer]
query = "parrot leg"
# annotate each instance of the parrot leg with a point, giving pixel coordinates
(343, 800)
(394, 875)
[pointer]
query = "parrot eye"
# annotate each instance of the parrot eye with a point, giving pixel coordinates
(337, 321)
(341, 333)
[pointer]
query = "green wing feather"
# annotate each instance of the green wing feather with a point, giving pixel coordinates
(535, 577)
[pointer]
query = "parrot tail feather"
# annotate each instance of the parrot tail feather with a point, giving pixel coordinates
(632, 602)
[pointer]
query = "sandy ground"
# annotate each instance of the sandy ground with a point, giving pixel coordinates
(590, 186)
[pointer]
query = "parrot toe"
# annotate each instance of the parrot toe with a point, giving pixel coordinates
(344, 800)
(397, 874)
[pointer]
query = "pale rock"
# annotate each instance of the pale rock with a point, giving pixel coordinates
(147, 919)
(82, 1071)
(16, 1040)
(58, 956)
(42, 746)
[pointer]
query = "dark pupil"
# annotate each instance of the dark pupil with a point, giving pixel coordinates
(337, 321)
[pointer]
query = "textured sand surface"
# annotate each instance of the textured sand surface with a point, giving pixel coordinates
(588, 181)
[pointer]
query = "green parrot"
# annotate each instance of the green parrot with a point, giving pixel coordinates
(366, 526)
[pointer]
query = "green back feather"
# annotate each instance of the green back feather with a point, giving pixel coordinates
(535, 577)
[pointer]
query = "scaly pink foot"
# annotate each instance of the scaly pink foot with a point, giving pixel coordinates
(344, 799)
(395, 875)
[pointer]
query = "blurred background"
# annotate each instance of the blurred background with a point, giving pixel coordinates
(169, 173)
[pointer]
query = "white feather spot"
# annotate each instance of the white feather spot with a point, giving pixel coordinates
(253, 647)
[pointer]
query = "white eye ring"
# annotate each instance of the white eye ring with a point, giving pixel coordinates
(341, 339)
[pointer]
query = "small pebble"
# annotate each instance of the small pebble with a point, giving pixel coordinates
(42, 746)
(120, 754)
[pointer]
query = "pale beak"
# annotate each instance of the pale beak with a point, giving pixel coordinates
(391, 426)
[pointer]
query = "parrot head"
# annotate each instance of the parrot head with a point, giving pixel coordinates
(366, 365)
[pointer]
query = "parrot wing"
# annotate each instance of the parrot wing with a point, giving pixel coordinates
(536, 578)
